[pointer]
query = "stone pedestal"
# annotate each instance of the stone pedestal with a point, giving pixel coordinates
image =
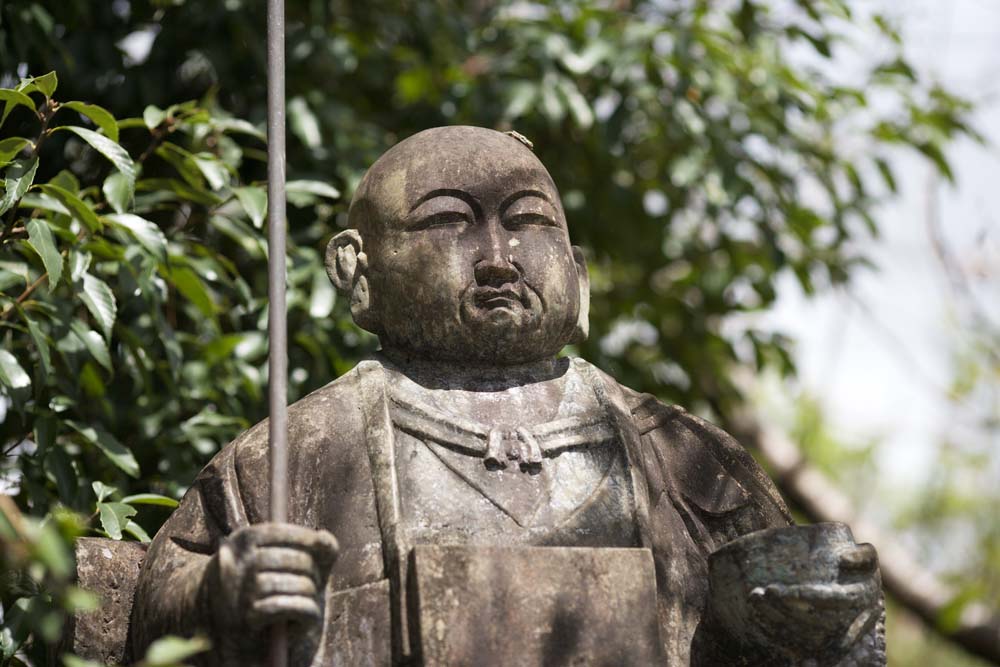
(109, 568)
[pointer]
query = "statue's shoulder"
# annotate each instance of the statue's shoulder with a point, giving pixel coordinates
(699, 460)
(329, 418)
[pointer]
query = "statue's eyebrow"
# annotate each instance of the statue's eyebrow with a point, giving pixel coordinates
(523, 193)
(448, 192)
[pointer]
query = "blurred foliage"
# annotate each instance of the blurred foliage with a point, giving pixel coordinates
(699, 147)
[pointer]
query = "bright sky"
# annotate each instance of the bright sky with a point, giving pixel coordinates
(879, 358)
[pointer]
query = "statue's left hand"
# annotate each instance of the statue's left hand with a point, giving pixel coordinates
(824, 607)
(797, 590)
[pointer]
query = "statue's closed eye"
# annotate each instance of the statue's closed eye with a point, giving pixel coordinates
(441, 218)
(441, 210)
(530, 210)
(524, 219)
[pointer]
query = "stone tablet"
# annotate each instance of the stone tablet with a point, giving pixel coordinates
(534, 606)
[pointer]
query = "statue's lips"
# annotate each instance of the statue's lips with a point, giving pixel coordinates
(492, 297)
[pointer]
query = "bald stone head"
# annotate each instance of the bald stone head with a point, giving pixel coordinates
(458, 251)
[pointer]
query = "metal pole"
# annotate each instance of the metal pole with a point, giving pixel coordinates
(277, 325)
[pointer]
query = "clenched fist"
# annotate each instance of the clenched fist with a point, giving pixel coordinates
(269, 573)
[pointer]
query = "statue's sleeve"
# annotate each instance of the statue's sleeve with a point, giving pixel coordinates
(715, 484)
(169, 596)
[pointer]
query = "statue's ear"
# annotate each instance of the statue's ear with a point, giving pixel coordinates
(346, 264)
(582, 329)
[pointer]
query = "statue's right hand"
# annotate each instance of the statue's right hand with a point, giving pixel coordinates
(269, 573)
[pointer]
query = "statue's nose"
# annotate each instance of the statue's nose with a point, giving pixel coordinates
(495, 272)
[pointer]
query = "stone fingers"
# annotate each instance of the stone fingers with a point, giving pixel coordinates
(283, 608)
(283, 583)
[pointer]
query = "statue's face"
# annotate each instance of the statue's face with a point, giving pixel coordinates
(469, 257)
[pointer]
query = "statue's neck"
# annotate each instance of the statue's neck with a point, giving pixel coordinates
(436, 374)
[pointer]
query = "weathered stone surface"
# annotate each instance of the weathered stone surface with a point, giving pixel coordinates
(491, 606)
(109, 568)
(467, 430)
(358, 626)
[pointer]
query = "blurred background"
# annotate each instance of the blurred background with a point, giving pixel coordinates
(787, 207)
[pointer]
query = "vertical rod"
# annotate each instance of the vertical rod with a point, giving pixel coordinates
(277, 325)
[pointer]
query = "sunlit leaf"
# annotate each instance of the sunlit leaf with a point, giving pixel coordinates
(100, 301)
(170, 651)
(254, 202)
(41, 240)
(118, 191)
(145, 232)
(12, 375)
(150, 499)
(102, 117)
(109, 149)
(114, 516)
(17, 179)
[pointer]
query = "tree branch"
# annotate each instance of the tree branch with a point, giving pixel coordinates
(918, 590)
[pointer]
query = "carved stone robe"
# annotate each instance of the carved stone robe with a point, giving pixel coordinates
(689, 489)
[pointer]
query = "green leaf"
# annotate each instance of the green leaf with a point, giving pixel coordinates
(12, 375)
(114, 516)
(254, 202)
(102, 491)
(213, 170)
(323, 296)
(8, 279)
(102, 117)
(109, 149)
(313, 188)
(12, 99)
(136, 531)
(100, 301)
(92, 340)
(145, 232)
(107, 443)
(70, 660)
(77, 208)
(168, 651)
(303, 123)
(79, 262)
(47, 83)
(240, 126)
(41, 241)
(191, 286)
(150, 499)
(10, 147)
(118, 191)
(152, 116)
(17, 179)
(41, 342)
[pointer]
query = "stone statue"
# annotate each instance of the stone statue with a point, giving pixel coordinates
(467, 496)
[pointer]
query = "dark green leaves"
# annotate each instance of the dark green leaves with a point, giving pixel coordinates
(10, 147)
(116, 452)
(11, 99)
(73, 204)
